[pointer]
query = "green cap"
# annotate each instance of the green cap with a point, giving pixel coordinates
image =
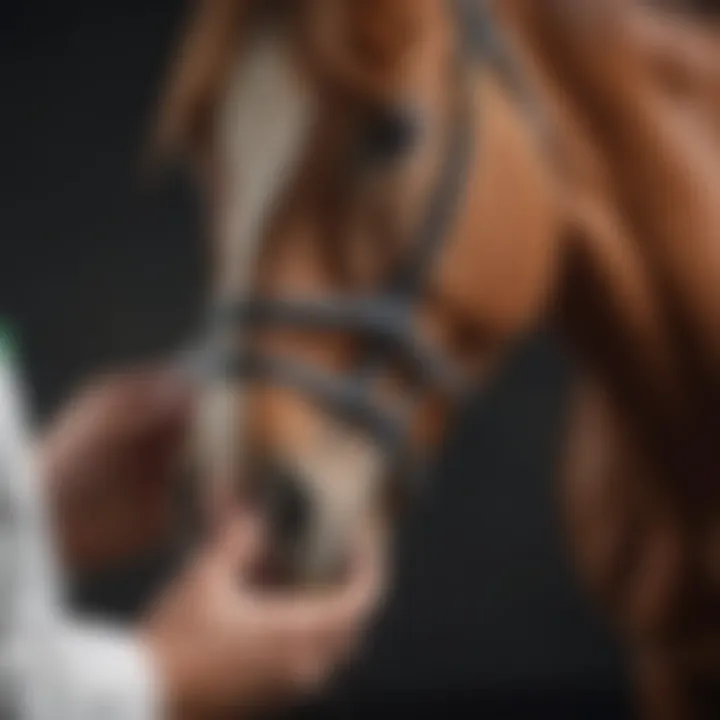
(8, 343)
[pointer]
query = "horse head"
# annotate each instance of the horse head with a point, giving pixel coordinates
(384, 226)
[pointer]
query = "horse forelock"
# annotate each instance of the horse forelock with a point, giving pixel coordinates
(381, 30)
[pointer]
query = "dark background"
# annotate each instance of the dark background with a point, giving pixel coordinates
(97, 269)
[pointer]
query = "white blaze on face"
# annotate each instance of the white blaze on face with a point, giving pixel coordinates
(342, 481)
(262, 130)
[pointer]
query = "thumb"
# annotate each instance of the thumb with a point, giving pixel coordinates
(143, 403)
(164, 396)
(239, 545)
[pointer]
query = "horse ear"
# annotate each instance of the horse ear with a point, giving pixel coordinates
(198, 78)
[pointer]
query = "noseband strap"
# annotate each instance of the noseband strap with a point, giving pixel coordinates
(382, 320)
(385, 322)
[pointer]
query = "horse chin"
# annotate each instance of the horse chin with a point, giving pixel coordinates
(341, 508)
(285, 568)
(308, 562)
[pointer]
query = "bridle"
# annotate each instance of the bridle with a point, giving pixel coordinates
(385, 322)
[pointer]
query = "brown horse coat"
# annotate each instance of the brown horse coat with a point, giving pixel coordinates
(625, 207)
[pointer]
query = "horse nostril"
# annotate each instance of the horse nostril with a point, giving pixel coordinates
(390, 133)
(289, 504)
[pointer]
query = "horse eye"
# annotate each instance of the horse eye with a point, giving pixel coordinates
(390, 133)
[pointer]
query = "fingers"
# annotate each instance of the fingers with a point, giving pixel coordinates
(279, 648)
(121, 408)
(237, 548)
(243, 544)
(149, 400)
(315, 633)
(335, 607)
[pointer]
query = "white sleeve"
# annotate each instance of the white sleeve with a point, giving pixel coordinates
(79, 671)
(109, 674)
(52, 666)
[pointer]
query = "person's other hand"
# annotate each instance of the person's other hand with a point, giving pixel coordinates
(111, 465)
(222, 645)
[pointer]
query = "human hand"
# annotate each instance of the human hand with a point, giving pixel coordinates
(222, 645)
(111, 462)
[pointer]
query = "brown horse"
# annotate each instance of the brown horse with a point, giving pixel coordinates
(585, 187)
